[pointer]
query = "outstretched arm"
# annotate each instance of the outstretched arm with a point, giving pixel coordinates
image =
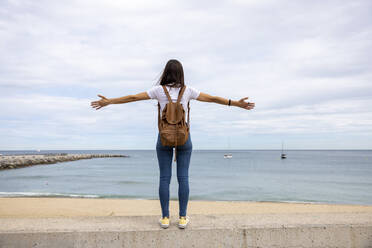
(125, 99)
(220, 100)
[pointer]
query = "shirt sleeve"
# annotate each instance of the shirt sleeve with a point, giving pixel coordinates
(152, 92)
(194, 93)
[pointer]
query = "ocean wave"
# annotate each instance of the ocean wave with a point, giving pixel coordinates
(30, 177)
(46, 194)
(131, 182)
(69, 195)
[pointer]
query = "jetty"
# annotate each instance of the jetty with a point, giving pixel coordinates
(19, 161)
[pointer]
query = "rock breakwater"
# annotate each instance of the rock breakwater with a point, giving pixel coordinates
(19, 161)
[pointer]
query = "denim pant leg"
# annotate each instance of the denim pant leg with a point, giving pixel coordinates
(165, 155)
(183, 163)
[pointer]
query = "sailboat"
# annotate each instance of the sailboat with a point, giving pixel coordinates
(228, 155)
(283, 155)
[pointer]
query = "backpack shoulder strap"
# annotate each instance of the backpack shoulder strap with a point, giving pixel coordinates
(188, 113)
(159, 115)
(167, 93)
(180, 94)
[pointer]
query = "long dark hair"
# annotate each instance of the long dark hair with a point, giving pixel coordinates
(172, 74)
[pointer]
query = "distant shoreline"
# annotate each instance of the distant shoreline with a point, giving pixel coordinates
(90, 150)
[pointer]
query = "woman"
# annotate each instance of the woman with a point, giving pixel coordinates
(172, 78)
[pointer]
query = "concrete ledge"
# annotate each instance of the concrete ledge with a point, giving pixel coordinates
(301, 236)
(266, 230)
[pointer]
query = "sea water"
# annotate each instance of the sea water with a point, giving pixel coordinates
(314, 176)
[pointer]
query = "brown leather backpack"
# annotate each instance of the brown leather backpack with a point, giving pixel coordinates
(173, 128)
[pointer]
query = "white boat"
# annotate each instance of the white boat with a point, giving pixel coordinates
(227, 156)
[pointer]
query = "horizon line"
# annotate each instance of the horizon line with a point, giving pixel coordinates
(320, 149)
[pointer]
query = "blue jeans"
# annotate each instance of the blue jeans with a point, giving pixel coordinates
(165, 155)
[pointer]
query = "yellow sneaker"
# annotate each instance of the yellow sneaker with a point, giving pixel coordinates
(183, 221)
(164, 222)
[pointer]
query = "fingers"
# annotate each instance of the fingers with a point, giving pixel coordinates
(93, 104)
(245, 98)
(97, 107)
(102, 96)
(96, 104)
(250, 105)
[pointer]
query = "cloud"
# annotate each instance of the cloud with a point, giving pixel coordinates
(304, 64)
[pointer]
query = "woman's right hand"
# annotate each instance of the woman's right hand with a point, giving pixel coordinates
(101, 103)
(245, 105)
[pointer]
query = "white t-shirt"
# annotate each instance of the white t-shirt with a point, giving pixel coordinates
(157, 92)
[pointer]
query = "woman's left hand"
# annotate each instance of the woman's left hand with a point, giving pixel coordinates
(101, 103)
(246, 105)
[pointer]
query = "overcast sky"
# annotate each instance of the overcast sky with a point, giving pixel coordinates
(306, 64)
